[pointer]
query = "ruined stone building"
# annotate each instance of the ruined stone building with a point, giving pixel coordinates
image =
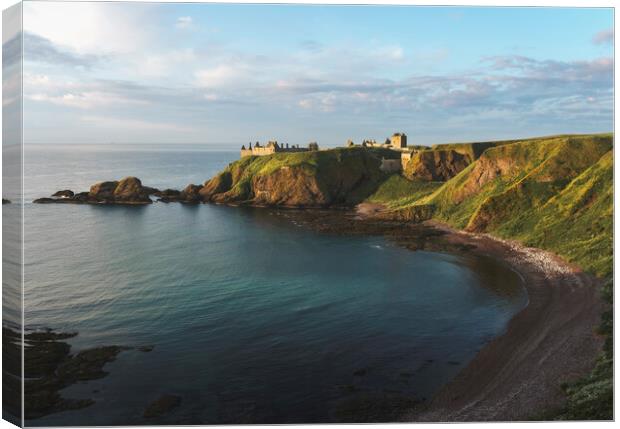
(274, 147)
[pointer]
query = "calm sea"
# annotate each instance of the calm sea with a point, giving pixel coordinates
(252, 318)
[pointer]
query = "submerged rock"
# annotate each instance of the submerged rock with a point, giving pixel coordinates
(49, 367)
(162, 405)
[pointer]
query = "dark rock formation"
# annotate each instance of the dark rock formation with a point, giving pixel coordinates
(103, 190)
(126, 191)
(67, 193)
(130, 190)
(49, 367)
(162, 405)
(191, 193)
(5, 201)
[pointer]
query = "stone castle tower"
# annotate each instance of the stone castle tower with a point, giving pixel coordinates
(398, 140)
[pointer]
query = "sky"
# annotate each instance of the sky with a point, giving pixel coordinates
(230, 74)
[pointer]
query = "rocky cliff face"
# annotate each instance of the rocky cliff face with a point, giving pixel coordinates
(436, 165)
(309, 179)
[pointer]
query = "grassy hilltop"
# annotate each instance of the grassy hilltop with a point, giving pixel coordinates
(554, 193)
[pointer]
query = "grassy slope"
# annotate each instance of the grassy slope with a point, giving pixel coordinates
(531, 201)
(397, 191)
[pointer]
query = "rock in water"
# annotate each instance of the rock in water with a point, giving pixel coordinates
(162, 405)
(67, 193)
(130, 189)
(103, 190)
(191, 193)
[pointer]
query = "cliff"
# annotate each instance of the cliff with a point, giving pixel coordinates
(436, 165)
(554, 193)
(338, 177)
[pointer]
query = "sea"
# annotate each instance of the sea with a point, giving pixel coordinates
(253, 318)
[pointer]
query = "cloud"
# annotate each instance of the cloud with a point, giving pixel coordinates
(40, 49)
(184, 22)
(224, 75)
(92, 27)
(604, 37)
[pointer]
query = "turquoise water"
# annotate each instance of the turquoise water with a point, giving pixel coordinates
(253, 318)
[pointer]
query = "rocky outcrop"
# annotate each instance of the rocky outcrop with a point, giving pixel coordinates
(103, 190)
(49, 367)
(217, 185)
(436, 165)
(5, 201)
(128, 191)
(67, 193)
(338, 177)
(189, 195)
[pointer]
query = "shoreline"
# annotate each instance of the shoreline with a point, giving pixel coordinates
(518, 375)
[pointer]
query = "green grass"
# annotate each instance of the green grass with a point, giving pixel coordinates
(397, 191)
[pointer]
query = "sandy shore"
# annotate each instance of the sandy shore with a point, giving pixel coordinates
(518, 375)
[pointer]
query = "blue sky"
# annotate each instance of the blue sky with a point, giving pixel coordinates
(200, 73)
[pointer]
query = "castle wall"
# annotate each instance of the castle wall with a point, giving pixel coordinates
(263, 151)
(405, 157)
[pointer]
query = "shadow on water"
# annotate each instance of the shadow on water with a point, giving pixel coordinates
(493, 274)
(260, 315)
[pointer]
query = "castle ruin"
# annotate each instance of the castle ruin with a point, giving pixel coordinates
(397, 142)
(274, 147)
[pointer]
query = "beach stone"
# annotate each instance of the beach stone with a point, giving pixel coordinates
(162, 405)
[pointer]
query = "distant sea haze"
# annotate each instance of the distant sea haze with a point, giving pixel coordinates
(253, 318)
